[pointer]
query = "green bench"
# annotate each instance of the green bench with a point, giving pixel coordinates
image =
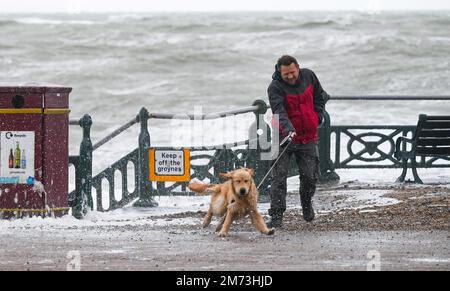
(431, 139)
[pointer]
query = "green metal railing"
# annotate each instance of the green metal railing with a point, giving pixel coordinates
(372, 139)
(81, 198)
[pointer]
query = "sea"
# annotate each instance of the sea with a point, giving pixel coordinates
(118, 63)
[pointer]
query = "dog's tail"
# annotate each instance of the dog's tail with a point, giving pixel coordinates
(203, 189)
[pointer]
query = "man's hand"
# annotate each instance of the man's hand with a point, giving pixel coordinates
(288, 138)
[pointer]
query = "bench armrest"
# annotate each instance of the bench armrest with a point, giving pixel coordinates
(398, 143)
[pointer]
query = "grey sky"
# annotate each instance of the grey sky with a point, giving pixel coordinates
(72, 6)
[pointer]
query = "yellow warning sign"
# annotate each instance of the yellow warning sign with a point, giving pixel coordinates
(168, 165)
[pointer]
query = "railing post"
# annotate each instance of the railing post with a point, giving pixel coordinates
(83, 172)
(144, 186)
(225, 161)
(326, 165)
(260, 134)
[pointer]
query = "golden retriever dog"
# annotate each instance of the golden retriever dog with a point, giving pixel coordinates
(231, 200)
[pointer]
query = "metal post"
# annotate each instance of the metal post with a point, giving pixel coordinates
(83, 172)
(326, 165)
(224, 162)
(259, 133)
(145, 187)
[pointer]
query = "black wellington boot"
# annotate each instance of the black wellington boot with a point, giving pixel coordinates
(276, 218)
(307, 209)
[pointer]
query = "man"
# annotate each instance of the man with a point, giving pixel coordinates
(297, 101)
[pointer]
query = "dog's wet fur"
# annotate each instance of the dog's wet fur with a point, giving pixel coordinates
(231, 200)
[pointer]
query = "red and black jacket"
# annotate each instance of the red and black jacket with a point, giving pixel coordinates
(299, 107)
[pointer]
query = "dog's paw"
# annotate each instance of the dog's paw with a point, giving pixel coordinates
(271, 231)
(222, 234)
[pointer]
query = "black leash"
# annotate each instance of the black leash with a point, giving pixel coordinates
(287, 139)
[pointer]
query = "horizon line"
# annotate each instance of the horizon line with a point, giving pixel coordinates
(227, 11)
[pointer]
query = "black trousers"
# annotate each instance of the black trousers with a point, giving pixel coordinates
(307, 158)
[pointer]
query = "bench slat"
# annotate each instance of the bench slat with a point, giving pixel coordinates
(433, 141)
(438, 117)
(436, 124)
(441, 151)
(434, 133)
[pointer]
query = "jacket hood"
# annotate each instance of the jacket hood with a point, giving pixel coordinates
(276, 75)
